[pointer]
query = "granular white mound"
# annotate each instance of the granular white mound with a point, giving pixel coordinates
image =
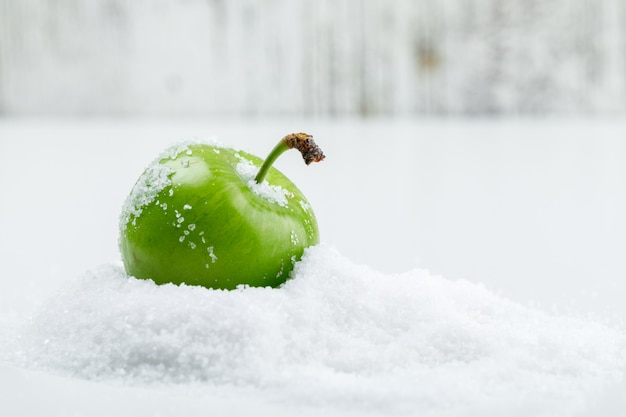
(337, 334)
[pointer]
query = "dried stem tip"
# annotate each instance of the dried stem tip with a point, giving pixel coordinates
(300, 141)
(306, 145)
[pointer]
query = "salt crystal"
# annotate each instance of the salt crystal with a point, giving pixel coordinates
(211, 254)
(272, 193)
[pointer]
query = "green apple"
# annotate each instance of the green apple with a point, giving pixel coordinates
(203, 214)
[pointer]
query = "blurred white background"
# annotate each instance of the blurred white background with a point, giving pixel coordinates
(258, 58)
(483, 140)
(480, 139)
(441, 154)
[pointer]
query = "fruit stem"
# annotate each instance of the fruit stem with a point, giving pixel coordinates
(302, 142)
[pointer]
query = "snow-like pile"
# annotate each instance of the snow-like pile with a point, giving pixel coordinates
(338, 334)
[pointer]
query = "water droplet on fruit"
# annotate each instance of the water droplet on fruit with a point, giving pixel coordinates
(181, 239)
(189, 152)
(191, 227)
(187, 207)
(180, 219)
(192, 245)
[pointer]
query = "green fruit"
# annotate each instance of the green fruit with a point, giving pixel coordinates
(199, 216)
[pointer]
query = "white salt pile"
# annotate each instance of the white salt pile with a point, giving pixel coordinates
(337, 334)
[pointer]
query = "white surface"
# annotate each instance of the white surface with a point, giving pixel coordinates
(534, 210)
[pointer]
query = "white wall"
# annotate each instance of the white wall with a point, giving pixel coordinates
(311, 57)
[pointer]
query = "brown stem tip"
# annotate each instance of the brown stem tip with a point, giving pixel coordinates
(306, 145)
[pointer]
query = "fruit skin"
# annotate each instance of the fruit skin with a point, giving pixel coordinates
(193, 218)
